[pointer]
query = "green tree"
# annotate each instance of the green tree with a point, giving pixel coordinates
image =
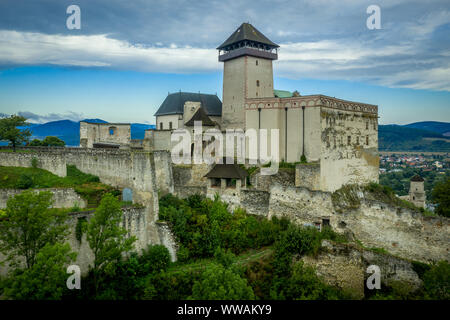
(441, 196)
(35, 143)
(106, 238)
(10, 132)
(52, 141)
(220, 283)
(30, 225)
(436, 281)
(46, 279)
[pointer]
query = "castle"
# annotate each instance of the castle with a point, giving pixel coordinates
(341, 136)
(338, 138)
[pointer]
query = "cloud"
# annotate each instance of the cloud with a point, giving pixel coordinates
(37, 118)
(319, 39)
(29, 48)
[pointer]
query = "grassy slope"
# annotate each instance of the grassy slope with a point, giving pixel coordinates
(87, 185)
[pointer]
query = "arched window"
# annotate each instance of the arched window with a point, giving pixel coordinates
(257, 83)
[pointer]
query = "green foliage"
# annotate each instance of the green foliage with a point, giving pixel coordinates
(436, 282)
(25, 182)
(155, 258)
(220, 283)
(400, 181)
(303, 159)
(30, 225)
(225, 258)
(45, 279)
(400, 138)
(304, 284)
(52, 141)
(34, 163)
(441, 196)
(202, 225)
(106, 237)
(420, 268)
(35, 143)
(80, 228)
(10, 132)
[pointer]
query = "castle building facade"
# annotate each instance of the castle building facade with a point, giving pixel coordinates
(341, 136)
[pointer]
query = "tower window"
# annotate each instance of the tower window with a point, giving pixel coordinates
(367, 125)
(257, 83)
(256, 62)
(357, 141)
(160, 126)
(170, 125)
(349, 140)
(367, 140)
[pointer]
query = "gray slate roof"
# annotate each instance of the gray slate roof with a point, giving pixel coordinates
(247, 32)
(174, 103)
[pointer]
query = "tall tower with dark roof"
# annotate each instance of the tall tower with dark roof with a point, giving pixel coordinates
(247, 73)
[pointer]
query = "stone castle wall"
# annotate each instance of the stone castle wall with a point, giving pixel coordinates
(400, 231)
(143, 172)
(50, 160)
(345, 265)
(62, 197)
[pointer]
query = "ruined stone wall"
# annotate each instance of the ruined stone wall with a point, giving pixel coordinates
(134, 220)
(255, 201)
(190, 175)
(119, 168)
(62, 197)
(308, 176)
(185, 191)
(91, 133)
(47, 159)
(349, 148)
(284, 177)
(345, 265)
(163, 171)
(400, 231)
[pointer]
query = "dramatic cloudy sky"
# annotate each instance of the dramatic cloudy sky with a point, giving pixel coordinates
(129, 54)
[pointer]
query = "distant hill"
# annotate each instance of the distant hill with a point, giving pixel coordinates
(407, 138)
(433, 126)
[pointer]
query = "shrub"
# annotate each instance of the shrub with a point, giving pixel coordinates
(25, 181)
(155, 258)
(34, 163)
(220, 283)
(436, 281)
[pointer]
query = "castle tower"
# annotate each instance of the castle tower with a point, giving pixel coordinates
(417, 191)
(247, 72)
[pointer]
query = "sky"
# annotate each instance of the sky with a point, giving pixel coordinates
(128, 55)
